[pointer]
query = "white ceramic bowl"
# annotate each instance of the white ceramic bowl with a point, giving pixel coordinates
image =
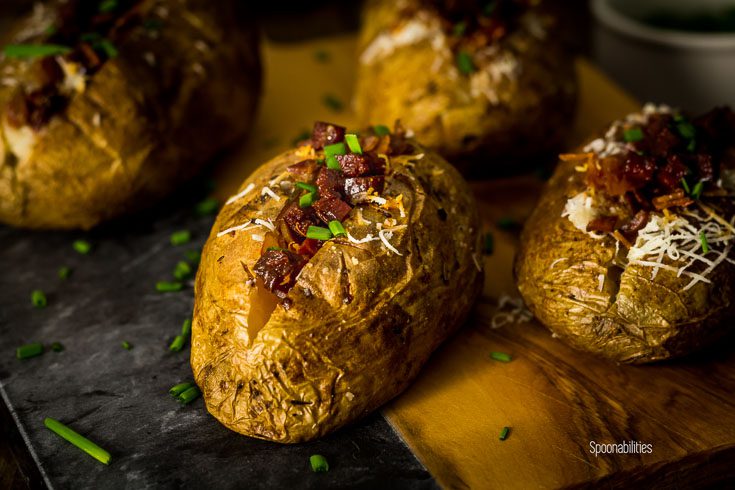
(694, 71)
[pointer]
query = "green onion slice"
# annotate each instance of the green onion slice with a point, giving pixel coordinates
(504, 433)
(318, 463)
(82, 246)
(38, 298)
(29, 350)
(34, 50)
(501, 356)
(307, 200)
(631, 135)
(335, 149)
(189, 395)
(178, 389)
(177, 344)
(336, 228)
(381, 130)
(704, 242)
(353, 143)
(332, 163)
(318, 233)
(169, 286)
(306, 187)
(180, 237)
(465, 63)
(79, 441)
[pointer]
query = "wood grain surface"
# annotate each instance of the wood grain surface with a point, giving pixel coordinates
(555, 400)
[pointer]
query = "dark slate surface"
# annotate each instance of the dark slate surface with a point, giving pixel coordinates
(119, 398)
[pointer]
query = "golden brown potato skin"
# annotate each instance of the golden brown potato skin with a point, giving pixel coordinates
(159, 122)
(329, 360)
(530, 117)
(633, 319)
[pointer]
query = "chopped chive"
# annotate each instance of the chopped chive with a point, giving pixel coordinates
(182, 270)
(704, 242)
(79, 441)
(333, 103)
(108, 5)
(507, 223)
(685, 185)
(501, 356)
(335, 149)
(178, 389)
(631, 135)
(381, 130)
(322, 56)
(353, 143)
(504, 433)
(38, 298)
(465, 63)
(488, 244)
(177, 344)
(307, 200)
(64, 272)
(318, 463)
(82, 246)
(57, 347)
(34, 50)
(169, 286)
(180, 237)
(186, 327)
(126, 345)
(189, 395)
(29, 350)
(193, 256)
(697, 191)
(306, 187)
(107, 46)
(336, 228)
(459, 28)
(318, 233)
(207, 207)
(332, 163)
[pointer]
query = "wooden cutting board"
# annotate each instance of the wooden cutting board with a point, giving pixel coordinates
(556, 401)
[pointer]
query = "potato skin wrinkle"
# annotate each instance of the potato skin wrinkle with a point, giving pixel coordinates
(150, 118)
(631, 319)
(523, 89)
(361, 319)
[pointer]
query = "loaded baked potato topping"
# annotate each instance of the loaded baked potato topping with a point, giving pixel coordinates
(662, 185)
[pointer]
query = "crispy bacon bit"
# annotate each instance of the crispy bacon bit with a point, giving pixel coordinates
(669, 176)
(360, 185)
(636, 223)
(325, 134)
(602, 224)
(329, 181)
(677, 198)
(297, 219)
(331, 207)
(303, 171)
(360, 165)
(278, 270)
(638, 170)
(308, 248)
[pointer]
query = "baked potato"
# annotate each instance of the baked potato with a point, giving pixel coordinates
(328, 280)
(628, 254)
(476, 84)
(107, 106)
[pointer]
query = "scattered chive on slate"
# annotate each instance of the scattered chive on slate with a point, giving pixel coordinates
(78, 440)
(57, 347)
(178, 389)
(38, 298)
(169, 286)
(186, 327)
(318, 233)
(126, 345)
(64, 272)
(318, 463)
(82, 246)
(632, 135)
(336, 228)
(189, 395)
(207, 207)
(504, 433)
(353, 143)
(381, 130)
(182, 270)
(488, 244)
(34, 50)
(177, 344)
(501, 356)
(181, 237)
(29, 350)
(333, 103)
(704, 242)
(464, 63)
(193, 256)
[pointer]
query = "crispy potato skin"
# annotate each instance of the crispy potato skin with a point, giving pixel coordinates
(438, 103)
(158, 125)
(633, 319)
(329, 360)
